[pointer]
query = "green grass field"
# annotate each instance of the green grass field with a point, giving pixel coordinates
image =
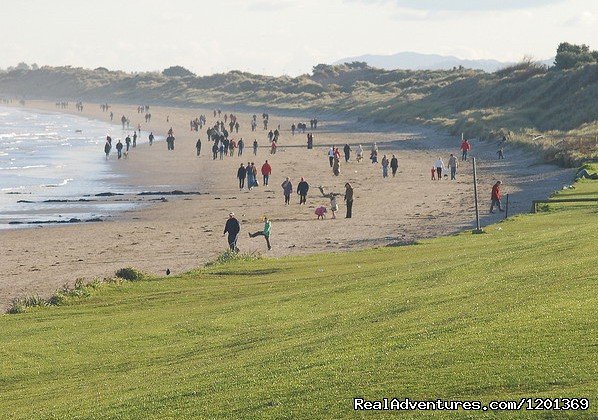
(504, 315)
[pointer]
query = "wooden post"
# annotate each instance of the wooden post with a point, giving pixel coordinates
(475, 193)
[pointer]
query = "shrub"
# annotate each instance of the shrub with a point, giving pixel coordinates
(130, 274)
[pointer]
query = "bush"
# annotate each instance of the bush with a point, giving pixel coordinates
(130, 274)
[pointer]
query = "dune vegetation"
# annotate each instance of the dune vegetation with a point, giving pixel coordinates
(503, 315)
(553, 110)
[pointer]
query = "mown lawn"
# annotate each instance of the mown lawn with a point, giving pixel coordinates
(504, 315)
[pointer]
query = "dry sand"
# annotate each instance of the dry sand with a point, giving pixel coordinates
(185, 232)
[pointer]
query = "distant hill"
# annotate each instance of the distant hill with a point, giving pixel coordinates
(417, 61)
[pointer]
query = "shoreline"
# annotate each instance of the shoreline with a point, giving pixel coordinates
(184, 233)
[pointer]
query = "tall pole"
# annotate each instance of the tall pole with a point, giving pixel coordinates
(475, 193)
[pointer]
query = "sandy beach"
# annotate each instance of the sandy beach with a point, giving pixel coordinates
(183, 232)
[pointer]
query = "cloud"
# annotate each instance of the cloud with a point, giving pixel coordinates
(583, 19)
(267, 5)
(466, 5)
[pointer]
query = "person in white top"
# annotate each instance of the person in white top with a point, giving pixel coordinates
(359, 153)
(439, 167)
(331, 156)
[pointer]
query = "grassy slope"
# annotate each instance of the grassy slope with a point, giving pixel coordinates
(507, 314)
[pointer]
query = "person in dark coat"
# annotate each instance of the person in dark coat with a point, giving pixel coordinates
(119, 149)
(241, 175)
(107, 148)
(347, 150)
(394, 165)
(233, 228)
(302, 189)
(287, 189)
(349, 200)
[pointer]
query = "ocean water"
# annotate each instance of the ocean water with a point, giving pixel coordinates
(45, 156)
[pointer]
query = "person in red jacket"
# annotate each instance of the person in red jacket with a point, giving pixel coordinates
(496, 196)
(465, 147)
(266, 171)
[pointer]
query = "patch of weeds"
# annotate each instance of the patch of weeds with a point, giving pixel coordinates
(230, 256)
(20, 305)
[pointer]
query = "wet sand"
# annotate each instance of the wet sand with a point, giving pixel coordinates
(183, 232)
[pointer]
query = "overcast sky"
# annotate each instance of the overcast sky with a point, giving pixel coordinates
(282, 36)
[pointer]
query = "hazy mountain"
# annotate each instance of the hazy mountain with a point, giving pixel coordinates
(417, 61)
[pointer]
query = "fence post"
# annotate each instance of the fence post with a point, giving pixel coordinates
(475, 193)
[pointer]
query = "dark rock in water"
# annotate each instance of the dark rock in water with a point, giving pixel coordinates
(15, 223)
(81, 200)
(95, 219)
(107, 194)
(25, 201)
(175, 192)
(74, 220)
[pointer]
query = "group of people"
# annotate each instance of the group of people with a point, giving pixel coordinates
(249, 172)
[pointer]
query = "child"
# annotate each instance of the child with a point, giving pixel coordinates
(265, 233)
(500, 154)
(433, 173)
(333, 206)
(321, 211)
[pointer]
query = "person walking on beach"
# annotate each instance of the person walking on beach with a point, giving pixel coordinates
(347, 151)
(336, 166)
(287, 189)
(385, 163)
(198, 146)
(123, 120)
(250, 176)
(255, 147)
(134, 138)
(452, 164)
(254, 172)
(151, 138)
(241, 175)
(331, 156)
(265, 233)
(333, 205)
(302, 189)
(221, 151)
(128, 142)
(119, 149)
(394, 165)
(240, 146)
(266, 172)
(349, 200)
(501, 154)
(215, 150)
(107, 148)
(439, 165)
(170, 142)
(496, 196)
(233, 228)
(359, 153)
(465, 148)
